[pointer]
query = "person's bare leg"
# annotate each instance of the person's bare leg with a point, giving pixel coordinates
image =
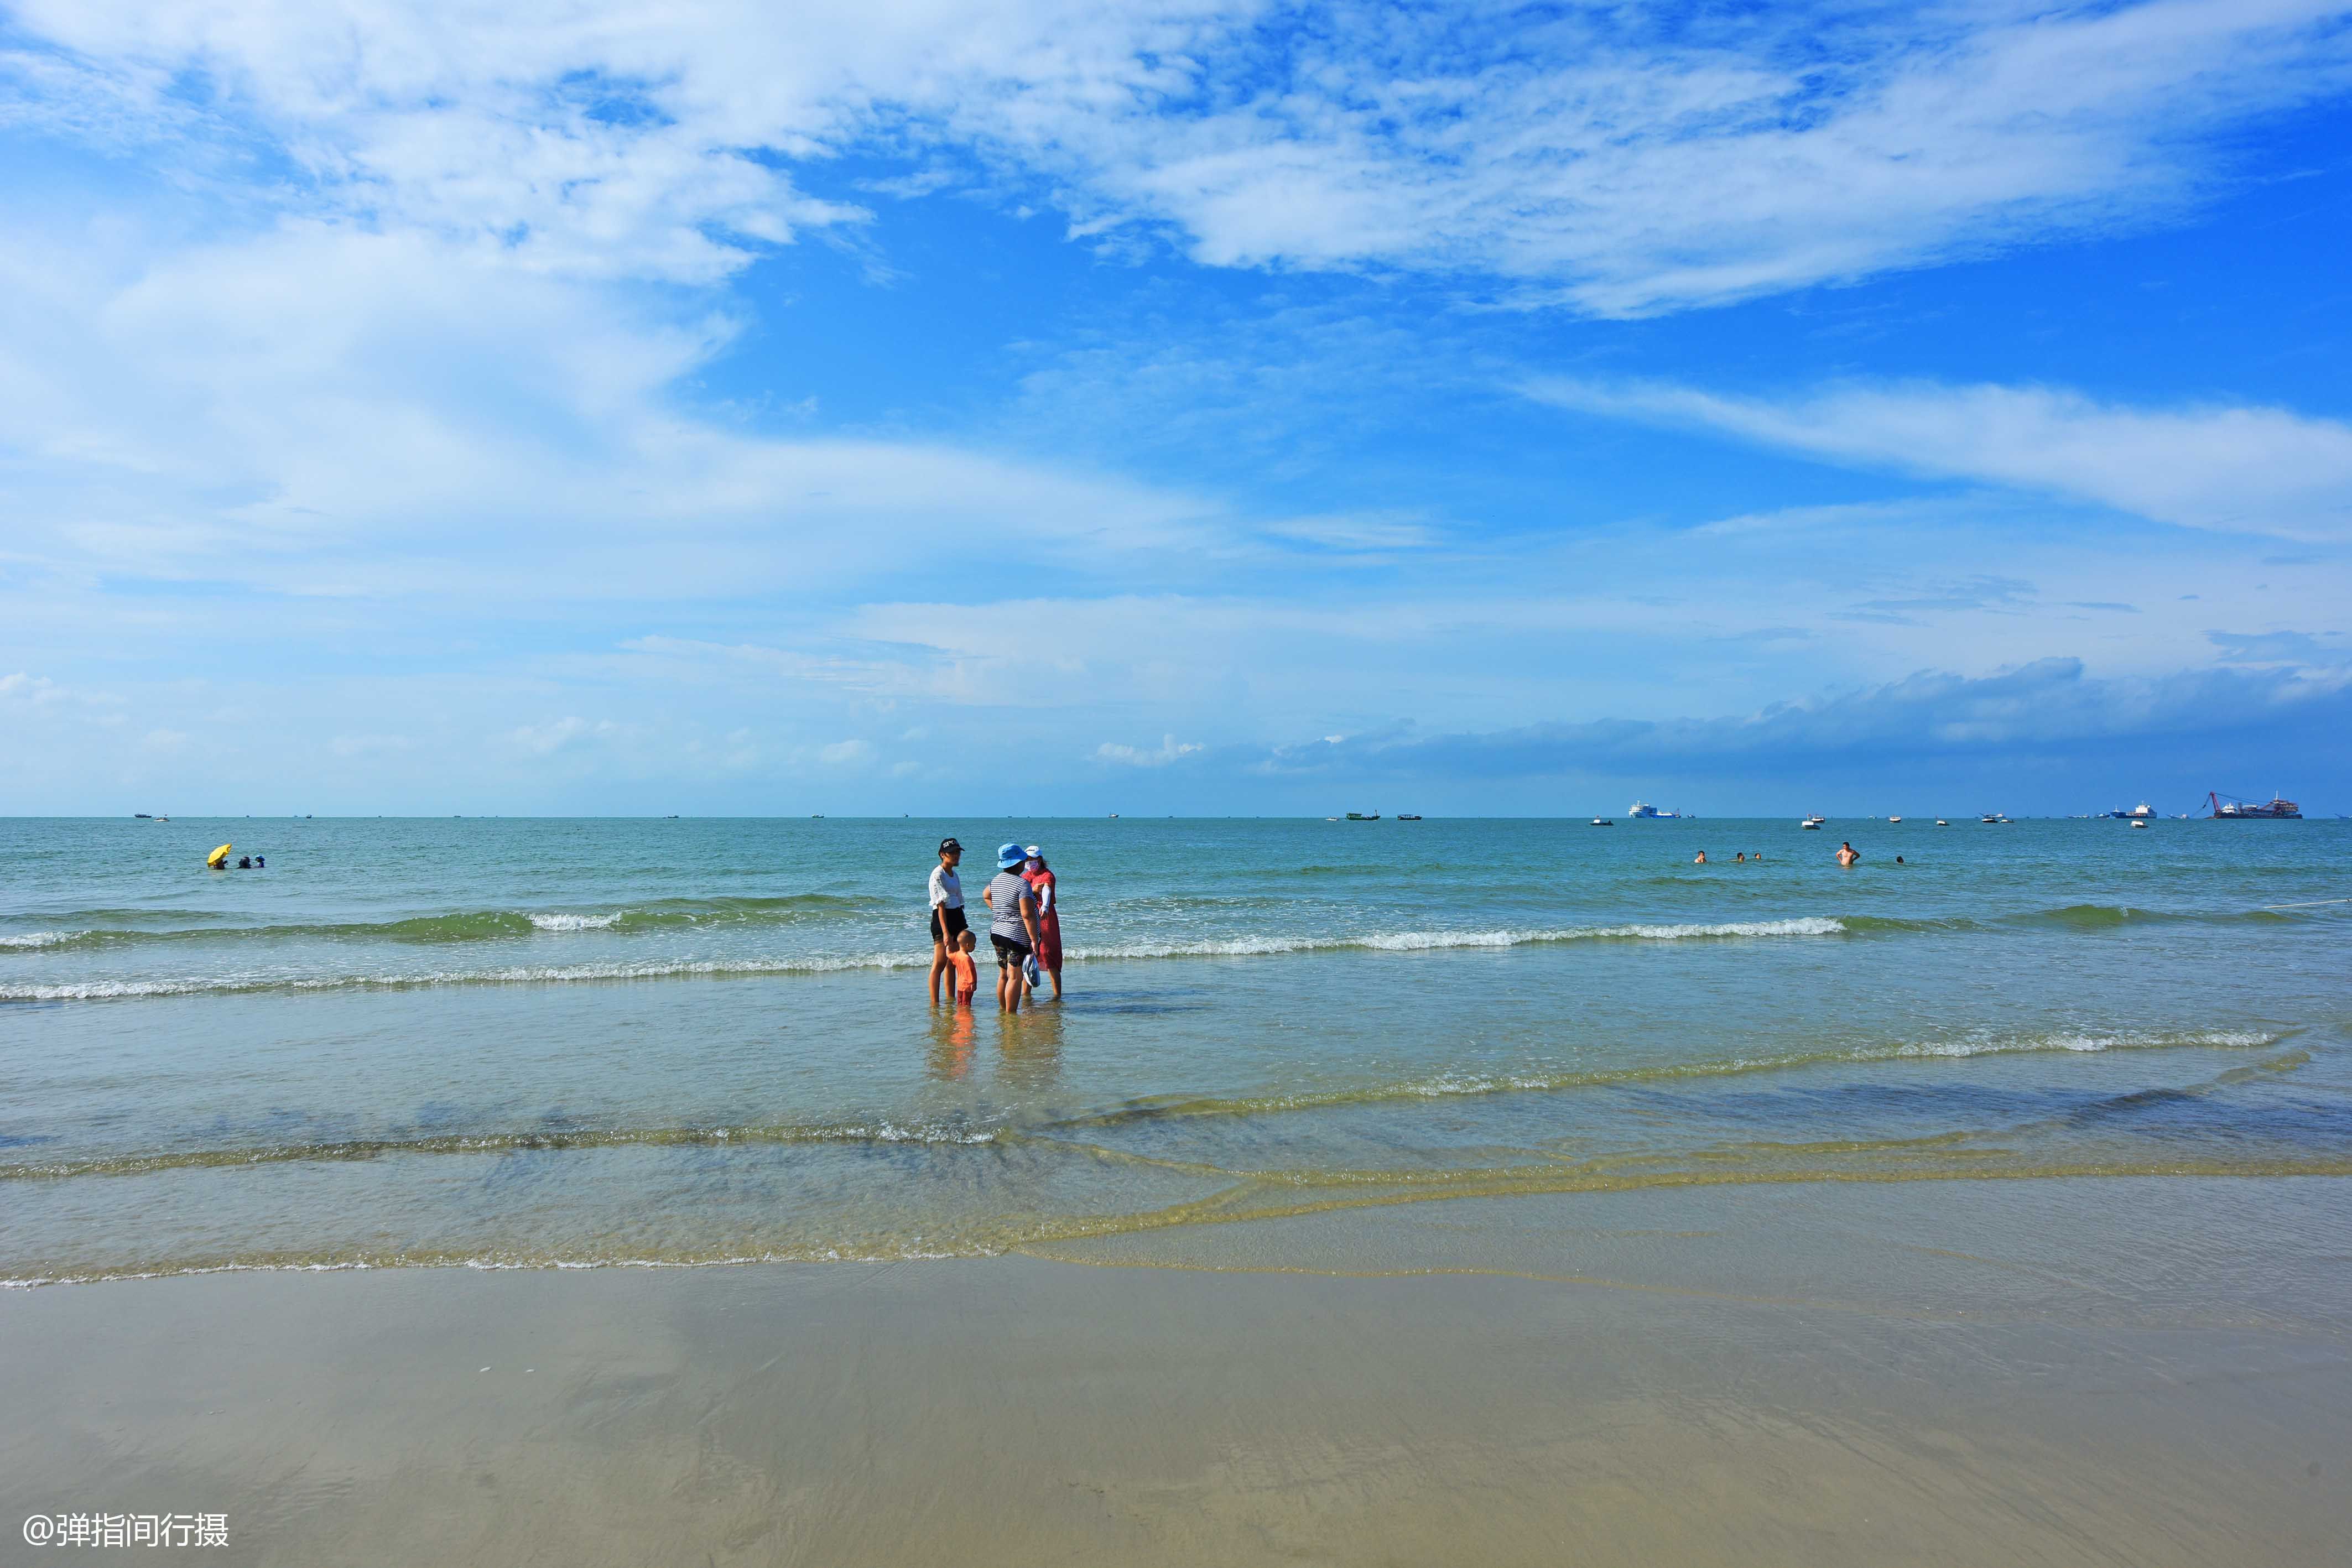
(1057, 972)
(938, 968)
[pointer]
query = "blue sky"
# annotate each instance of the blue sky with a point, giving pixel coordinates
(1196, 407)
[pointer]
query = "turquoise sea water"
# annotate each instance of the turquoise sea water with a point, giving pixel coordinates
(541, 1042)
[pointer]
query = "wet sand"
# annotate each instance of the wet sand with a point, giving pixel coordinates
(1021, 1410)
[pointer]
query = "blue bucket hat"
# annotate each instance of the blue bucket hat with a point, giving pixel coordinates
(1010, 855)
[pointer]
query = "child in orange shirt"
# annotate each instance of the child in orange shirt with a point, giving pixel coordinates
(967, 977)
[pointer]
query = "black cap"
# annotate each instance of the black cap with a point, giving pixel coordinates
(946, 844)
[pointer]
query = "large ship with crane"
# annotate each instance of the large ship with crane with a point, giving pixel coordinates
(2229, 809)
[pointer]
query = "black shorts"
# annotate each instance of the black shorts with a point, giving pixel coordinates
(953, 921)
(1010, 955)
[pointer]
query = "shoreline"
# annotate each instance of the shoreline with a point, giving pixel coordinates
(1952, 1404)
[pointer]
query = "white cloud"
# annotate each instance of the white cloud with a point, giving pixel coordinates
(325, 411)
(2250, 470)
(556, 734)
(841, 753)
(1170, 750)
(1609, 156)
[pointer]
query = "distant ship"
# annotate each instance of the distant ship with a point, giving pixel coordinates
(1602, 822)
(2229, 809)
(1642, 810)
(1815, 821)
(1408, 816)
(2141, 810)
(1364, 816)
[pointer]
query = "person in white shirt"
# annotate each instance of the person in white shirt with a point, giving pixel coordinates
(947, 911)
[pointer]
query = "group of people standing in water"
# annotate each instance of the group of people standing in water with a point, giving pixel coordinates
(1025, 926)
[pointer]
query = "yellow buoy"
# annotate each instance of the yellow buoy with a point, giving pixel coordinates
(213, 860)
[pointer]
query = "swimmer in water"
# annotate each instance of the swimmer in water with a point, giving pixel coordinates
(1847, 854)
(1740, 859)
(1700, 859)
(1898, 860)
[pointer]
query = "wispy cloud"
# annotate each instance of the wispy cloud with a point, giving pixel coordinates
(1622, 159)
(2240, 469)
(1170, 750)
(2051, 705)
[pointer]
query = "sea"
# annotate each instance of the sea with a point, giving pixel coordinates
(539, 1043)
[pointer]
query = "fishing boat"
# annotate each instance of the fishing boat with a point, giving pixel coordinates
(145, 816)
(1364, 816)
(1408, 816)
(1602, 822)
(2229, 809)
(1643, 811)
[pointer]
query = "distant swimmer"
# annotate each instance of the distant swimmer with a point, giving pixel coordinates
(218, 859)
(1898, 860)
(1700, 859)
(244, 862)
(1740, 859)
(1847, 854)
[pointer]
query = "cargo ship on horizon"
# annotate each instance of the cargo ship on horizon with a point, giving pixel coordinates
(2229, 808)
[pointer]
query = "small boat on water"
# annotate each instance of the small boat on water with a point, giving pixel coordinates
(2137, 823)
(1893, 819)
(1408, 816)
(1602, 822)
(2229, 809)
(1815, 821)
(1941, 823)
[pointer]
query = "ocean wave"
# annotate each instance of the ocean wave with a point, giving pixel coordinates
(649, 969)
(1420, 941)
(40, 938)
(466, 925)
(536, 1140)
(575, 922)
(516, 975)
(1452, 1085)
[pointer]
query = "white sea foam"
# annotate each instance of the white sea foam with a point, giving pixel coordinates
(1422, 941)
(648, 969)
(38, 938)
(1983, 1045)
(575, 922)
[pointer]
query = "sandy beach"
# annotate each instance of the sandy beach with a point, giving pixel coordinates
(1673, 1404)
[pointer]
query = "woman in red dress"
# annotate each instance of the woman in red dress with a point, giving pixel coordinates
(1049, 917)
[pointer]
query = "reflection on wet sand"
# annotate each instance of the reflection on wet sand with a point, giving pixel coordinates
(953, 1030)
(1031, 1041)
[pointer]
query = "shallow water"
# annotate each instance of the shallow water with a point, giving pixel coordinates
(597, 1042)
